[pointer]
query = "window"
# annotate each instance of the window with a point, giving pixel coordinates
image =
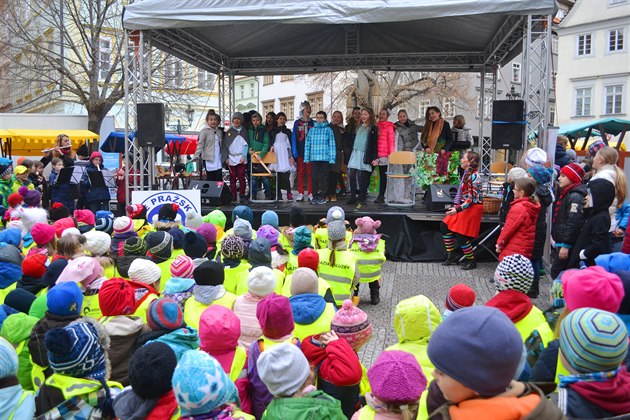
(422, 108)
(241, 91)
(286, 78)
(267, 80)
(554, 44)
(614, 99)
(316, 100)
(487, 107)
(516, 72)
(615, 40)
(583, 98)
(205, 80)
(287, 105)
(552, 114)
(252, 90)
(448, 107)
(174, 73)
(104, 56)
(584, 44)
(268, 106)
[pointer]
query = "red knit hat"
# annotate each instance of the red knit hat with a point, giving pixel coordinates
(34, 265)
(134, 210)
(63, 224)
(275, 316)
(15, 199)
(42, 233)
(574, 172)
(117, 296)
(165, 314)
(96, 155)
(460, 296)
(308, 258)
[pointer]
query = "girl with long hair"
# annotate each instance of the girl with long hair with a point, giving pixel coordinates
(386, 145)
(436, 133)
(62, 150)
(364, 153)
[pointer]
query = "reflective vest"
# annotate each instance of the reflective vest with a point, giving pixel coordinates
(233, 276)
(266, 343)
(279, 280)
(110, 271)
(165, 268)
(4, 292)
(292, 264)
(91, 307)
(193, 308)
(341, 275)
(535, 320)
(320, 238)
(322, 286)
(560, 370)
(72, 387)
(419, 351)
(367, 413)
(238, 370)
(370, 263)
(321, 324)
(141, 310)
(364, 385)
(37, 375)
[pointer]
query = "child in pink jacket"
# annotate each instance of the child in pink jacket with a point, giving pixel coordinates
(386, 145)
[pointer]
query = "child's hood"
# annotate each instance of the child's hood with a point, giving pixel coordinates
(415, 319)
(531, 208)
(178, 285)
(602, 194)
(217, 335)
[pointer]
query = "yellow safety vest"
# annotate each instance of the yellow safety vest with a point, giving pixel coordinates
(165, 268)
(341, 275)
(193, 308)
(238, 370)
(71, 387)
(4, 292)
(322, 286)
(560, 370)
(370, 263)
(234, 275)
(279, 280)
(367, 413)
(535, 320)
(266, 343)
(292, 264)
(91, 307)
(419, 351)
(110, 271)
(364, 385)
(37, 375)
(141, 310)
(321, 324)
(320, 238)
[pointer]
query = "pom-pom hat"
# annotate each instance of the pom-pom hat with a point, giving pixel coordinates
(352, 324)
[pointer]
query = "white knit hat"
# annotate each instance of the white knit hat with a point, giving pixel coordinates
(123, 224)
(536, 156)
(70, 231)
(144, 271)
(261, 281)
(97, 243)
(304, 280)
(193, 220)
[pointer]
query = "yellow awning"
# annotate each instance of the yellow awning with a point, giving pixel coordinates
(32, 142)
(5, 134)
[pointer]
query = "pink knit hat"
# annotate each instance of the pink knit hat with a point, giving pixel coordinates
(352, 324)
(42, 233)
(592, 287)
(396, 377)
(275, 316)
(123, 224)
(85, 216)
(208, 231)
(82, 270)
(183, 267)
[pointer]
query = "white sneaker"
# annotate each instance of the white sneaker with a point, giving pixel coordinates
(310, 197)
(299, 197)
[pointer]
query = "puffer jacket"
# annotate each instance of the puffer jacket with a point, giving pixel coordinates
(245, 309)
(180, 341)
(16, 329)
(561, 157)
(129, 406)
(544, 198)
(312, 314)
(16, 403)
(316, 404)
(408, 135)
(123, 333)
(519, 231)
(93, 193)
(569, 218)
(206, 144)
(386, 144)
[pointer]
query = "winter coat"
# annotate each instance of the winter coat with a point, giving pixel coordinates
(519, 231)
(348, 142)
(298, 136)
(259, 140)
(36, 344)
(93, 193)
(462, 138)
(245, 309)
(386, 144)
(339, 133)
(123, 333)
(180, 340)
(118, 242)
(129, 406)
(312, 315)
(597, 400)
(407, 135)
(60, 193)
(320, 144)
(16, 329)
(12, 407)
(313, 405)
(544, 199)
(561, 157)
(206, 144)
(609, 173)
(31, 284)
(569, 218)
(371, 149)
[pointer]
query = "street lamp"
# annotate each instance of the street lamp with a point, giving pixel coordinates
(190, 113)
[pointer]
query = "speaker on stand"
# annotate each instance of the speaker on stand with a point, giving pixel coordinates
(151, 134)
(440, 196)
(213, 193)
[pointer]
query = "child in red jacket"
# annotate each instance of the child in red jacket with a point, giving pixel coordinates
(519, 231)
(386, 145)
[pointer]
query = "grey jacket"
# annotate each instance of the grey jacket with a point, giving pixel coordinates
(407, 136)
(205, 147)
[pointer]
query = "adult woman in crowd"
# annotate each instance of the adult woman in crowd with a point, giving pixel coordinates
(436, 133)
(62, 150)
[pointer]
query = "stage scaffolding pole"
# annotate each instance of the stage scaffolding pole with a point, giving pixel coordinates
(487, 94)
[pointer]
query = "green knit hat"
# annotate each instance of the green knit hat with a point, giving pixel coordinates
(216, 217)
(39, 306)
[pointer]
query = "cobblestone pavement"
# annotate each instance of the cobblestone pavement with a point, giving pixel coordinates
(403, 280)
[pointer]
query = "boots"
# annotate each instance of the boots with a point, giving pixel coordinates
(469, 264)
(533, 290)
(451, 259)
(375, 296)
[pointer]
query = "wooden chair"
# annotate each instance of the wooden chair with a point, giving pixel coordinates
(407, 164)
(269, 159)
(497, 175)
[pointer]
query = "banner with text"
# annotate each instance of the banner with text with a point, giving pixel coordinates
(187, 200)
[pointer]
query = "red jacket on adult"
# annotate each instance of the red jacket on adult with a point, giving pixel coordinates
(519, 231)
(386, 145)
(339, 363)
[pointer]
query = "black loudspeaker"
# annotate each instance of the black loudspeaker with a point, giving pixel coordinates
(150, 125)
(440, 196)
(508, 127)
(213, 193)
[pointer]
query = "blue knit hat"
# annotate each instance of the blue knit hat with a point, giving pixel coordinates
(65, 299)
(593, 340)
(301, 239)
(178, 237)
(8, 359)
(617, 261)
(201, 385)
(541, 174)
(270, 217)
(243, 212)
(11, 236)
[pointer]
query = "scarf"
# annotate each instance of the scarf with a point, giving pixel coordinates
(458, 196)
(435, 129)
(563, 194)
(566, 380)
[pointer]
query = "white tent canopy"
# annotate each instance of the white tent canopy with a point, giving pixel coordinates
(282, 36)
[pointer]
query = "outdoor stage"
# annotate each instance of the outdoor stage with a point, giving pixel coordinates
(411, 234)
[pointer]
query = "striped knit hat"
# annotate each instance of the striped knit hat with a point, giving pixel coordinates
(159, 245)
(460, 296)
(352, 324)
(123, 224)
(514, 272)
(135, 246)
(182, 267)
(593, 340)
(165, 314)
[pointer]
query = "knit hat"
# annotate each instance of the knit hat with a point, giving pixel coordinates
(614, 262)
(168, 212)
(182, 267)
(209, 232)
(517, 173)
(593, 340)
(82, 270)
(237, 115)
(97, 243)
(352, 324)
(62, 225)
(335, 213)
(283, 369)
(193, 220)
(536, 156)
(165, 314)
(304, 280)
(574, 172)
(269, 233)
(42, 233)
(6, 166)
(117, 296)
(297, 217)
(275, 316)
(540, 174)
(32, 198)
(571, 154)
(336, 230)
(259, 253)
(59, 211)
(216, 217)
(468, 347)
(104, 214)
(11, 236)
(460, 296)
(301, 239)
(65, 299)
(135, 246)
(514, 272)
(261, 281)
(85, 217)
(396, 377)
(136, 211)
(122, 225)
(243, 229)
(243, 212)
(270, 217)
(594, 147)
(15, 199)
(34, 265)
(201, 385)
(20, 300)
(79, 350)
(105, 225)
(144, 271)
(95, 155)
(9, 362)
(209, 273)
(159, 245)
(308, 258)
(151, 370)
(195, 245)
(592, 287)
(233, 247)
(256, 114)
(178, 237)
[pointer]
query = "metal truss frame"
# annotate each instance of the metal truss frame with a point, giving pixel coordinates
(486, 153)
